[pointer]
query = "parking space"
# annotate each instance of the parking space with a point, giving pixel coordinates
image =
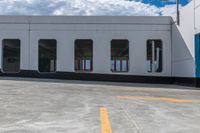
(49, 106)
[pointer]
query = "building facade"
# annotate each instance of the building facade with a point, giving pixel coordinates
(129, 48)
(185, 43)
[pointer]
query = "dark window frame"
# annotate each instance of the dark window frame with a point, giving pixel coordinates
(55, 64)
(127, 63)
(2, 55)
(78, 42)
(161, 42)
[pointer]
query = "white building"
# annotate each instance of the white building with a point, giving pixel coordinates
(185, 46)
(129, 49)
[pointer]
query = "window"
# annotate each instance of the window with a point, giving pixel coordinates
(119, 55)
(47, 55)
(11, 55)
(154, 56)
(84, 55)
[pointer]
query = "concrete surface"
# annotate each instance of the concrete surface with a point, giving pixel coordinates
(57, 106)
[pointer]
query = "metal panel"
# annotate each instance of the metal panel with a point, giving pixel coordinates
(197, 54)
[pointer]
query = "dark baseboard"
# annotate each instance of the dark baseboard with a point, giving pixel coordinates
(186, 81)
(197, 82)
(107, 77)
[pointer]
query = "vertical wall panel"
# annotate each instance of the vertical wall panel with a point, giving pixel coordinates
(197, 55)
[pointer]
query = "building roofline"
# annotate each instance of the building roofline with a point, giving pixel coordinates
(165, 20)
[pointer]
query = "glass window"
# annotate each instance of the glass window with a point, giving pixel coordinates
(154, 56)
(119, 55)
(11, 55)
(47, 55)
(84, 55)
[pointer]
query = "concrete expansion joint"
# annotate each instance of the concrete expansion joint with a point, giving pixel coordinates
(128, 117)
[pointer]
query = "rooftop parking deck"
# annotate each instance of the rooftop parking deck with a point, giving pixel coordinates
(61, 106)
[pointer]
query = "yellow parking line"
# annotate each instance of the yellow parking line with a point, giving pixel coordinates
(105, 122)
(166, 99)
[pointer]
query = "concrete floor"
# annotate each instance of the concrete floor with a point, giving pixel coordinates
(57, 106)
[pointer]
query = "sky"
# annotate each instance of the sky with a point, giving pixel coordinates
(161, 3)
(89, 7)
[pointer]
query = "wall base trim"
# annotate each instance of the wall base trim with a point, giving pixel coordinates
(186, 81)
(107, 77)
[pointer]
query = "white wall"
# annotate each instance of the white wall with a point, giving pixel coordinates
(197, 15)
(65, 30)
(102, 34)
(183, 62)
(16, 31)
(178, 41)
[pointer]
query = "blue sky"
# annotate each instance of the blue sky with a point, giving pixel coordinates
(161, 3)
(88, 7)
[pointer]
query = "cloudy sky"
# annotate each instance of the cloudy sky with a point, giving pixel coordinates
(88, 7)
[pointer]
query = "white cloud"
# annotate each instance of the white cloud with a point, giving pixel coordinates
(168, 10)
(80, 7)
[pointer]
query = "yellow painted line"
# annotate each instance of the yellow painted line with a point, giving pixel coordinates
(105, 122)
(166, 99)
